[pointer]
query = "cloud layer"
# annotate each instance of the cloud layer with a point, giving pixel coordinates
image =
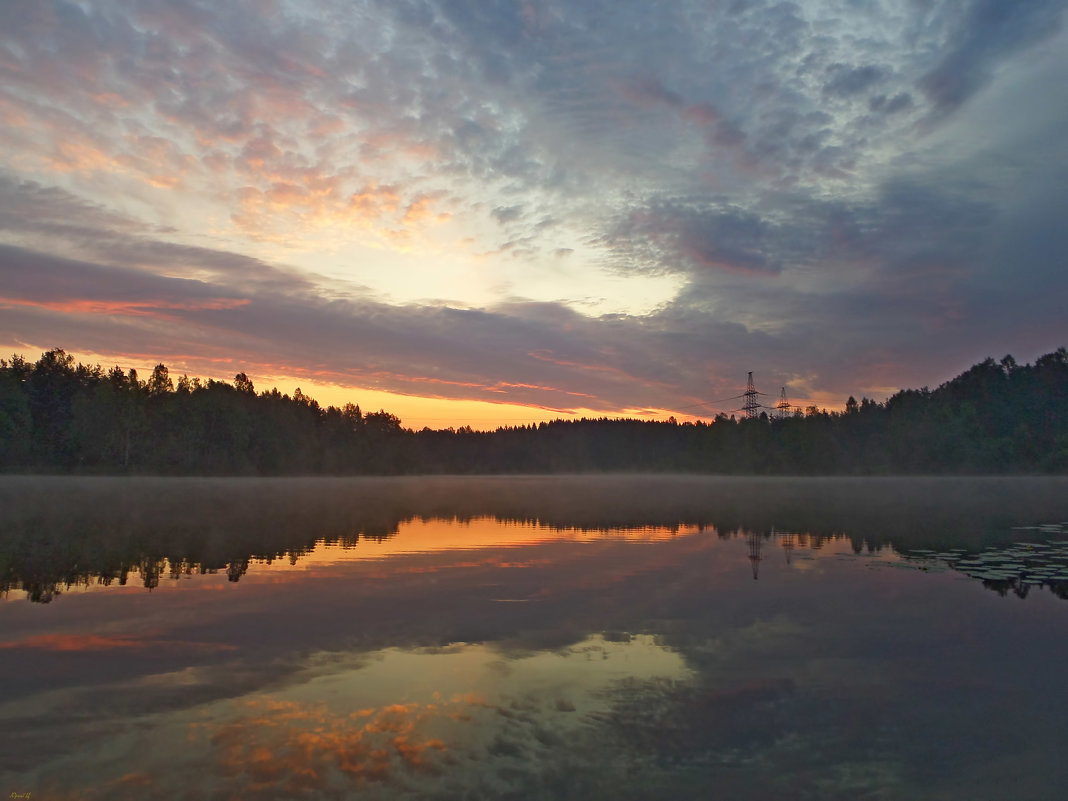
(572, 205)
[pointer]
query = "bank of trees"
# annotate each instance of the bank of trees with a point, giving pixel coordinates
(59, 416)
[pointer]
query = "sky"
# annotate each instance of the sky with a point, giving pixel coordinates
(492, 213)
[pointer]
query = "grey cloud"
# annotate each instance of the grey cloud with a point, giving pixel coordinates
(506, 214)
(37, 277)
(234, 268)
(52, 218)
(940, 265)
(986, 34)
(491, 30)
(906, 289)
(692, 236)
(733, 242)
(649, 91)
(1032, 239)
(29, 207)
(912, 222)
(882, 104)
(845, 81)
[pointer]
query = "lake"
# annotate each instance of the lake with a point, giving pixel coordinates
(573, 637)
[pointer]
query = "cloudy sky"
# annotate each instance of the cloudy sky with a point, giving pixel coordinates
(500, 211)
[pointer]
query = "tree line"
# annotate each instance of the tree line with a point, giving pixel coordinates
(57, 416)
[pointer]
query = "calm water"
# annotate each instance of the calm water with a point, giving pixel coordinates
(585, 638)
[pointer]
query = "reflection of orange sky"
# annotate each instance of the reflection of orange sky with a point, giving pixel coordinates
(432, 536)
(96, 642)
(449, 544)
(421, 547)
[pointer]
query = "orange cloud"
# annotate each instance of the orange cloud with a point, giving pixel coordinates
(377, 143)
(60, 146)
(72, 642)
(129, 308)
(216, 161)
(373, 201)
(13, 115)
(313, 198)
(111, 100)
(281, 195)
(420, 210)
(502, 386)
(79, 156)
(326, 126)
(164, 181)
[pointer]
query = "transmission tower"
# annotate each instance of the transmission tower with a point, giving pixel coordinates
(782, 408)
(751, 407)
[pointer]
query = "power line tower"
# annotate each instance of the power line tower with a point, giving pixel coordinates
(751, 407)
(782, 408)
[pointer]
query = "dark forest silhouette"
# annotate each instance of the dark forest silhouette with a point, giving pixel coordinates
(58, 416)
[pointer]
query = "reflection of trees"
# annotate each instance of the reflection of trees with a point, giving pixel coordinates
(61, 532)
(46, 574)
(236, 569)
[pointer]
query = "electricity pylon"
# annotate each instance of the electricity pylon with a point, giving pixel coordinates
(751, 407)
(782, 408)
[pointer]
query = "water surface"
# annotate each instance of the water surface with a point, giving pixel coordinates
(557, 637)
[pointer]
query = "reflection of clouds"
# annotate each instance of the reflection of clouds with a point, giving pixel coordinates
(286, 746)
(415, 720)
(96, 642)
(436, 721)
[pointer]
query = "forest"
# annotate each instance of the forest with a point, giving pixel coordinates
(56, 416)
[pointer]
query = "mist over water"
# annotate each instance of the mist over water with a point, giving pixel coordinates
(534, 637)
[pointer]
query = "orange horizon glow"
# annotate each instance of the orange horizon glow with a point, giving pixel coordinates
(416, 412)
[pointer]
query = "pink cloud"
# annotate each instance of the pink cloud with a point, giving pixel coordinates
(134, 308)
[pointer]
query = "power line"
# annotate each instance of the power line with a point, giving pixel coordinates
(752, 406)
(707, 403)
